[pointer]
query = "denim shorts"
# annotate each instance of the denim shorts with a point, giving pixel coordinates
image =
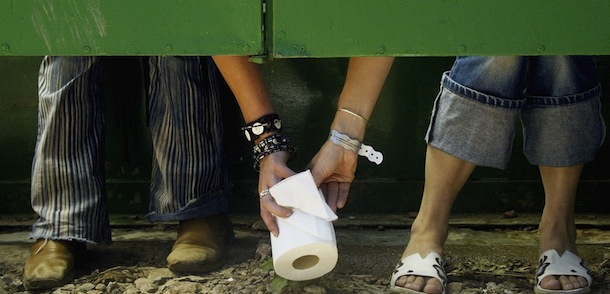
(556, 98)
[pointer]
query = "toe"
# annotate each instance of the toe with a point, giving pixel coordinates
(583, 282)
(550, 283)
(411, 282)
(402, 281)
(433, 286)
(417, 283)
(565, 282)
(576, 282)
(410, 279)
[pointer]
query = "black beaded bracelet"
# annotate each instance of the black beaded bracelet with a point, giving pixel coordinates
(266, 124)
(272, 144)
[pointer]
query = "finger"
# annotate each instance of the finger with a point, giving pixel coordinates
(319, 170)
(268, 204)
(333, 194)
(342, 194)
(285, 172)
(324, 189)
(318, 175)
(269, 221)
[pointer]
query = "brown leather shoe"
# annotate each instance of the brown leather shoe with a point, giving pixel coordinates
(51, 264)
(202, 244)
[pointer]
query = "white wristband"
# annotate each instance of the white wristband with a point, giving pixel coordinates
(370, 154)
(354, 145)
(344, 141)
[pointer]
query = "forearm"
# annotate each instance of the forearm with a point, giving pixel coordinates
(246, 82)
(363, 84)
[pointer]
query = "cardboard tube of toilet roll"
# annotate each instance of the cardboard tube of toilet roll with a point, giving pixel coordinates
(299, 255)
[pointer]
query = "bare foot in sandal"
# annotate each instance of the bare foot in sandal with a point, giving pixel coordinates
(421, 267)
(560, 269)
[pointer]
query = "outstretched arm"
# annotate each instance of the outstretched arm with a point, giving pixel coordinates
(247, 84)
(333, 167)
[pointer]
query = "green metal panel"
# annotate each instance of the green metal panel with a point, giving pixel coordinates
(321, 28)
(119, 27)
(313, 28)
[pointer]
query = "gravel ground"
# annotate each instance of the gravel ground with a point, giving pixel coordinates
(478, 262)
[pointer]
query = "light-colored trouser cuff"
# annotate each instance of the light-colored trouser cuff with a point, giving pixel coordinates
(554, 135)
(564, 135)
(473, 131)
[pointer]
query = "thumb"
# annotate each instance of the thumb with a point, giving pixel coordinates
(318, 175)
(285, 172)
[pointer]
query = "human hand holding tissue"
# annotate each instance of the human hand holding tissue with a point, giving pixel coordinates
(273, 169)
(333, 169)
(306, 247)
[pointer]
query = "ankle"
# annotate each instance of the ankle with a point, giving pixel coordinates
(560, 237)
(426, 238)
(430, 230)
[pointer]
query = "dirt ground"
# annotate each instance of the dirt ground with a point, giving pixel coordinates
(480, 260)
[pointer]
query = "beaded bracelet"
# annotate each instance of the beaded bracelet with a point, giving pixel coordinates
(266, 124)
(272, 144)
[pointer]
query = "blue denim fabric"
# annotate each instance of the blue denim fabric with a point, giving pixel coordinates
(557, 99)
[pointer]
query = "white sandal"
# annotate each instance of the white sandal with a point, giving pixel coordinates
(568, 264)
(431, 266)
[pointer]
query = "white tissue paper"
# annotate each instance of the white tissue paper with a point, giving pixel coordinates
(306, 247)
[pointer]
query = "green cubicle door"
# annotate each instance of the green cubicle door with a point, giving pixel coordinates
(141, 27)
(320, 28)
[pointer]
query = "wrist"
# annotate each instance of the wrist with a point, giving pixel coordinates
(356, 146)
(255, 131)
(350, 126)
(350, 123)
(344, 141)
(280, 157)
(263, 136)
(272, 144)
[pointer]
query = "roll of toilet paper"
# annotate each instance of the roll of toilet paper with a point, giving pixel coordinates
(306, 247)
(300, 191)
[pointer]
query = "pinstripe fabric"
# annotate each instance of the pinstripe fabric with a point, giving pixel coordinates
(189, 179)
(188, 175)
(68, 167)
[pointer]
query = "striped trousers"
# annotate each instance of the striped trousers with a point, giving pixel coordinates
(189, 178)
